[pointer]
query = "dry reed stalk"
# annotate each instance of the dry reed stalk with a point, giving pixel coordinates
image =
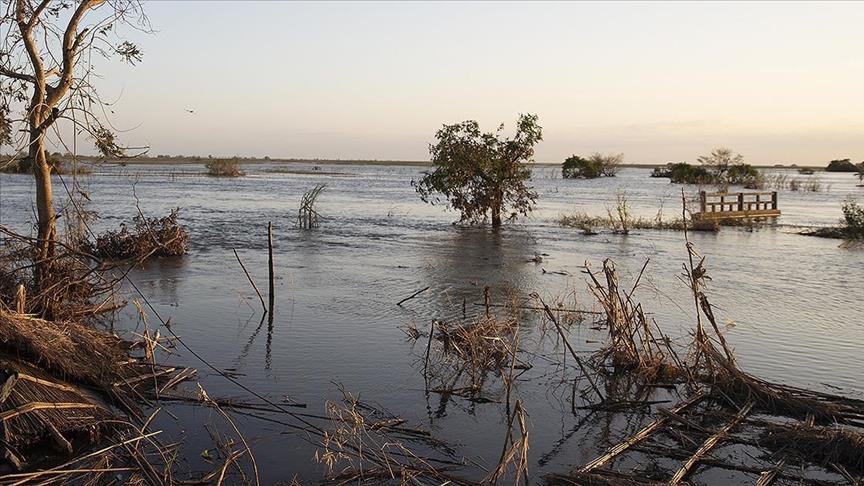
(307, 216)
(205, 398)
(514, 452)
(368, 445)
(632, 346)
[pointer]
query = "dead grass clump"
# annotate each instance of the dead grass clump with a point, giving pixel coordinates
(83, 354)
(826, 446)
(224, 168)
(149, 237)
(485, 344)
(72, 286)
(368, 445)
(635, 344)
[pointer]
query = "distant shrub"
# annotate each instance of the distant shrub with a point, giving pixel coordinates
(684, 173)
(597, 165)
(841, 165)
(224, 168)
(722, 169)
(149, 237)
(744, 175)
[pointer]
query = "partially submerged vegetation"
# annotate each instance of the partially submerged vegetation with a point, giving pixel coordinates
(307, 215)
(596, 165)
(482, 175)
(592, 224)
(807, 434)
(851, 226)
(224, 167)
(842, 165)
(794, 184)
(147, 237)
(721, 167)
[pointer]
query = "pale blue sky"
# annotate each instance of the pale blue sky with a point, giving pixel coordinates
(778, 82)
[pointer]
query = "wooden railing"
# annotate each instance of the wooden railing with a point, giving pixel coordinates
(737, 204)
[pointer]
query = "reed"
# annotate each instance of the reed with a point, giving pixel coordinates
(307, 215)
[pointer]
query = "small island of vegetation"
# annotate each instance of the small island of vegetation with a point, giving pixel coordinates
(722, 167)
(596, 165)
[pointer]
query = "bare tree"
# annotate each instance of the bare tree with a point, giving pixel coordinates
(47, 53)
(719, 162)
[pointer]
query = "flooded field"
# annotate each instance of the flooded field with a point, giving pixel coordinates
(790, 305)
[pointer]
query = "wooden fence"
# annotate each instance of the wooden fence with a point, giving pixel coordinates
(732, 205)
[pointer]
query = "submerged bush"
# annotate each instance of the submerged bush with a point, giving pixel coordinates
(853, 216)
(224, 168)
(736, 174)
(851, 226)
(841, 165)
(684, 173)
(597, 165)
(149, 237)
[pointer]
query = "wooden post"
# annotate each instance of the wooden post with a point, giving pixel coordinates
(703, 200)
(774, 200)
(740, 201)
(270, 264)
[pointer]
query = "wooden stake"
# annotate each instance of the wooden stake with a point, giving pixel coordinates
(270, 264)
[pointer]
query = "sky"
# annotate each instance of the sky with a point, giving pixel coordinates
(779, 82)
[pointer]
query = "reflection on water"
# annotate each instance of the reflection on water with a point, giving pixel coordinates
(790, 304)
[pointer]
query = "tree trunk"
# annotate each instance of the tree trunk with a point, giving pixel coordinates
(497, 202)
(46, 216)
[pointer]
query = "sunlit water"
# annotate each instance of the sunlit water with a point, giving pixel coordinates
(790, 305)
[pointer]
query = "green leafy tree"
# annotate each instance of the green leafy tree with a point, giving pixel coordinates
(597, 165)
(480, 174)
(45, 75)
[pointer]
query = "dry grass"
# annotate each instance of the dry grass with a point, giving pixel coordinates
(635, 343)
(826, 446)
(84, 355)
(224, 168)
(613, 222)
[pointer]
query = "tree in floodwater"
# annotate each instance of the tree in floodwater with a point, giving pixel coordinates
(482, 173)
(45, 76)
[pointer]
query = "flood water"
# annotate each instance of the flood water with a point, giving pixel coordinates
(791, 305)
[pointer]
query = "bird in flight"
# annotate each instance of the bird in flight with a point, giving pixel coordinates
(190, 111)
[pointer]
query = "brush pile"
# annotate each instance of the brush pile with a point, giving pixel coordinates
(73, 286)
(148, 237)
